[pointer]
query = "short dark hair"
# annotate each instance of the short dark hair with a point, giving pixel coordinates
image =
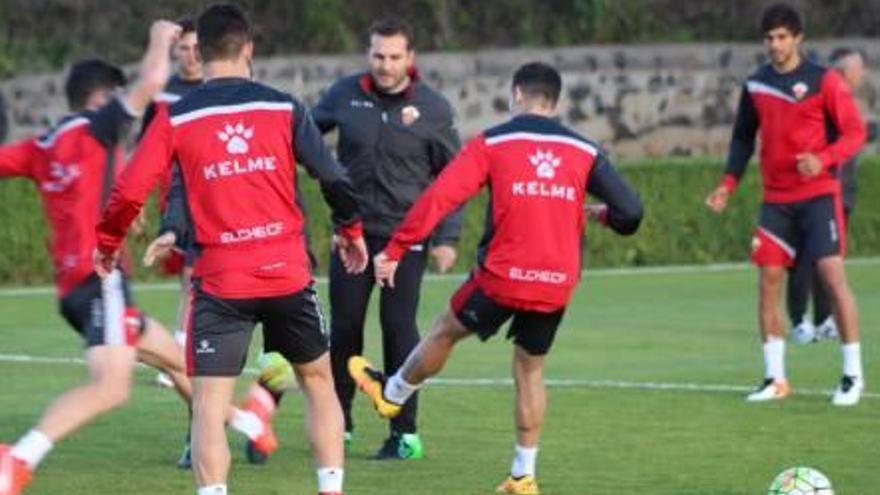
(393, 26)
(88, 76)
(537, 79)
(781, 15)
(187, 24)
(223, 30)
(843, 52)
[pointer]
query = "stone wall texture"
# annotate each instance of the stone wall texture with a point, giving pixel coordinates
(637, 100)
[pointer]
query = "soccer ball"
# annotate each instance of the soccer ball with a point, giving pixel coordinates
(801, 481)
(275, 371)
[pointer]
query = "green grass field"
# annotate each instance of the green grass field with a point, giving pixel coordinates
(607, 432)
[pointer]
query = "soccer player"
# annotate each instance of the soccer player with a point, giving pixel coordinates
(74, 166)
(176, 252)
(793, 102)
(538, 173)
(801, 281)
(236, 143)
(395, 135)
(187, 77)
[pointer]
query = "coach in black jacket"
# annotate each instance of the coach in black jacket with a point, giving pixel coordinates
(395, 135)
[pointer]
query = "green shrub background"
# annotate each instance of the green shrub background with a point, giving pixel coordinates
(677, 228)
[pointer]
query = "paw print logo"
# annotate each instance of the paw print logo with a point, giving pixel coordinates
(236, 138)
(545, 164)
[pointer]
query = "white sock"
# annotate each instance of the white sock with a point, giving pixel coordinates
(180, 337)
(852, 359)
(397, 390)
(32, 448)
(217, 489)
(523, 461)
(774, 358)
(246, 423)
(330, 480)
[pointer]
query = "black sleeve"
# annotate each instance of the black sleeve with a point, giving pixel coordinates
(4, 120)
(625, 210)
(742, 144)
(176, 217)
(443, 147)
(323, 113)
(110, 124)
(311, 152)
(149, 114)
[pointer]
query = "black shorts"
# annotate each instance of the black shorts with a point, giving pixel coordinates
(219, 330)
(103, 312)
(807, 230)
(532, 330)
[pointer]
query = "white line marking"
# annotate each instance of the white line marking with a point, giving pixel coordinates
(505, 382)
(42, 290)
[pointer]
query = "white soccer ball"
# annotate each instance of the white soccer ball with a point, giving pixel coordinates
(801, 481)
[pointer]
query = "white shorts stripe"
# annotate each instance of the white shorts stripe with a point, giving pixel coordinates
(313, 296)
(542, 138)
(276, 106)
(114, 309)
(779, 242)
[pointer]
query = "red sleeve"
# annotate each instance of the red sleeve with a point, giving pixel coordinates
(729, 182)
(844, 113)
(147, 166)
(459, 181)
(18, 159)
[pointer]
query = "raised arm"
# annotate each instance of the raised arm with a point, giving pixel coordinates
(155, 67)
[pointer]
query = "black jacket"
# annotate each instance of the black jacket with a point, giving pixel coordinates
(393, 147)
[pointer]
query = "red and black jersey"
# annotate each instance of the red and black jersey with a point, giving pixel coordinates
(73, 167)
(807, 110)
(236, 143)
(538, 173)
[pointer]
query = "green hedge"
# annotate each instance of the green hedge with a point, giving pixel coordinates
(677, 227)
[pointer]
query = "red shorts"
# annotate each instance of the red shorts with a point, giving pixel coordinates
(805, 230)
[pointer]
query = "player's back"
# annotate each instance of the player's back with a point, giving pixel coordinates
(233, 140)
(78, 162)
(538, 173)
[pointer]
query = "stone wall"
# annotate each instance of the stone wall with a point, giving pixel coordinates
(638, 100)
